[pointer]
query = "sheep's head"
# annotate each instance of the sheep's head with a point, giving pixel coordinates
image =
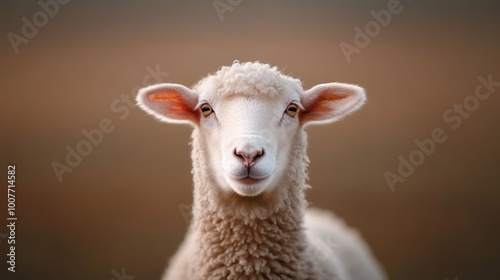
(248, 115)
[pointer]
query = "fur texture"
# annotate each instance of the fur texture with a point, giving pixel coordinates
(237, 232)
(248, 79)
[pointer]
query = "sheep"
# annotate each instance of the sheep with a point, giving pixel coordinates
(249, 216)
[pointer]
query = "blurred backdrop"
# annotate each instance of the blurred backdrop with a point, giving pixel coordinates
(118, 205)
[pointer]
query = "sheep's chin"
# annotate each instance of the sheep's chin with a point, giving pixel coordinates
(249, 187)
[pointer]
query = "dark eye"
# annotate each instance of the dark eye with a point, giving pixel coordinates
(292, 110)
(206, 110)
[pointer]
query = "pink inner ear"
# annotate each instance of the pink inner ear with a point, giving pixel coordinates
(321, 105)
(174, 105)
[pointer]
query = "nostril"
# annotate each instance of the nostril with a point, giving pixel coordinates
(259, 154)
(237, 153)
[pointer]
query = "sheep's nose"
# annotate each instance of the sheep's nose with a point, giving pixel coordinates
(249, 157)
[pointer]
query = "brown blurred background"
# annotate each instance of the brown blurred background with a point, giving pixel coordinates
(123, 205)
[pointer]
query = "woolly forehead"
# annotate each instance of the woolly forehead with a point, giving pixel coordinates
(266, 84)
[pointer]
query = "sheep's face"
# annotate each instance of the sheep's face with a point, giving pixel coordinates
(250, 134)
(249, 137)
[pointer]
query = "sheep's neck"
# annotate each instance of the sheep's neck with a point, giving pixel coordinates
(240, 248)
(254, 238)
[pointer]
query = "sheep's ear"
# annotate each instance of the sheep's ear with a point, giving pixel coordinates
(326, 103)
(170, 103)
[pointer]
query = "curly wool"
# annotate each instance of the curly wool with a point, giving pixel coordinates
(249, 78)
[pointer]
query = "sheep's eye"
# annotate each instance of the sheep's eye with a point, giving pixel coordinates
(206, 110)
(292, 110)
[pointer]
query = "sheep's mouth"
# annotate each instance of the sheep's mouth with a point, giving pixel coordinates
(248, 180)
(249, 186)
